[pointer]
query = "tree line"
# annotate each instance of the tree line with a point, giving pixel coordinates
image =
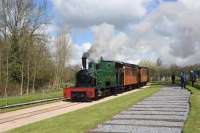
(158, 71)
(26, 62)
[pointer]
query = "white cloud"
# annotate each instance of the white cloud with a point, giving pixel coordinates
(191, 4)
(84, 13)
(170, 31)
(77, 52)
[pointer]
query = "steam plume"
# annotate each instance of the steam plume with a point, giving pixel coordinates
(171, 32)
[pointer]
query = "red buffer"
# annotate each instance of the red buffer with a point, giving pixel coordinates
(79, 93)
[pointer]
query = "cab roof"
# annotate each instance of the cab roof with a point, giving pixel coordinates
(118, 62)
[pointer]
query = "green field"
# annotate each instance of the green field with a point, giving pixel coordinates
(193, 123)
(31, 97)
(84, 119)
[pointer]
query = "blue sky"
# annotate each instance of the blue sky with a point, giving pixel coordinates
(80, 37)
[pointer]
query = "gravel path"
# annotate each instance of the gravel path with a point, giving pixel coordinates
(163, 112)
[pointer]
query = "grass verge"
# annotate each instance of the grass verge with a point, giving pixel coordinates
(31, 97)
(193, 123)
(84, 119)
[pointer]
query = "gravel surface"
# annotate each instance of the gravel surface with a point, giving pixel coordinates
(145, 122)
(163, 112)
(159, 109)
(135, 129)
(152, 113)
(152, 117)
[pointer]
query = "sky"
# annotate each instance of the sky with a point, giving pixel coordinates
(130, 31)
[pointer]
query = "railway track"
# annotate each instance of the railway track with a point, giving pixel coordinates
(34, 113)
(11, 120)
(29, 103)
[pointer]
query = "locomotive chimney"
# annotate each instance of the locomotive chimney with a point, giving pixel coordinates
(84, 60)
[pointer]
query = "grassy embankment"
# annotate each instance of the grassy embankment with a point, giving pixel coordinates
(31, 97)
(193, 123)
(84, 119)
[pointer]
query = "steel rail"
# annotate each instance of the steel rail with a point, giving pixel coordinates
(33, 113)
(31, 102)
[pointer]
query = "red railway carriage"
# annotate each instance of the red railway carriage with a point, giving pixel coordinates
(130, 75)
(143, 75)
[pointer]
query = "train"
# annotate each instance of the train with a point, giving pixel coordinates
(104, 78)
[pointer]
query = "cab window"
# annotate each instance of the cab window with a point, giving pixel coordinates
(97, 66)
(90, 65)
(108, 65)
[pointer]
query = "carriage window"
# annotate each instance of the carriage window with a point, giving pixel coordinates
(144, 72)
(134, 73)
(90, 65)
(126, 72)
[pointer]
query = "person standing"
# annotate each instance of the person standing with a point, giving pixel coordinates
(183, 80)
(173, 78)
(193, 78)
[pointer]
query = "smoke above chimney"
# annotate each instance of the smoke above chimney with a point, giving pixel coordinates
(84, 60)
(85, 55)
(171, 33)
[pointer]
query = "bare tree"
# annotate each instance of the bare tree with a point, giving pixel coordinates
(0, 66)
(7, 76)
(25, 59)
(21, 23)
(34, 76)
(36, 57)
(62, 55)
(22, 79)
